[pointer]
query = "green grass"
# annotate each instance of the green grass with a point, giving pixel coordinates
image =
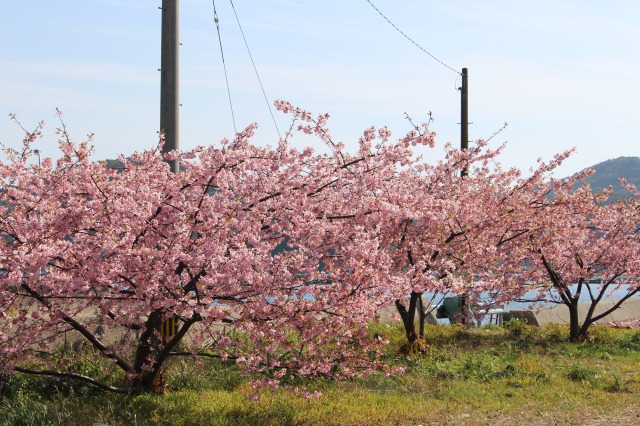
(516, 374)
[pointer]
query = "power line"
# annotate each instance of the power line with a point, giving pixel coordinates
(224, 65)
(255, 69)
(410, 39)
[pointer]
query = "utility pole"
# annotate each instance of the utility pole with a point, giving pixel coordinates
(169, 89)
(464, 145)
(169, 105)
(464, 115)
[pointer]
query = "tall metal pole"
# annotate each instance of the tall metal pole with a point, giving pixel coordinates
(169, 102)
(464, 115)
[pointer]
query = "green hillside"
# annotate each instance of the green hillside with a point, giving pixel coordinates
(608, 173)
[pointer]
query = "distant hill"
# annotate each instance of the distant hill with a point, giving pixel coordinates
(609, 172)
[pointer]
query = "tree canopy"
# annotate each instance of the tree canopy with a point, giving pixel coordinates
(274, 257)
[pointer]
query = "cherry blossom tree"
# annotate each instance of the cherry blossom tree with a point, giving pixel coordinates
(268, 256)
(462, 235)
(274, 257)
(582, 243)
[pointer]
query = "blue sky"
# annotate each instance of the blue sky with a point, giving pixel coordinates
(561, 73)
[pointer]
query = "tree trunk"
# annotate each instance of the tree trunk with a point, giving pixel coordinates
(409, 316)
(464, 312)
(574, 321)
(150, 382)
(148, 347)
(422, 316)
(583, 334)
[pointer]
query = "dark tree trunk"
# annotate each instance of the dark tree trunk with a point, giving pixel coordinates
(464, 311)
(148, 382)
(408, 316)
(422, 316)
(583, 334)
(574, 321)
(149, 347)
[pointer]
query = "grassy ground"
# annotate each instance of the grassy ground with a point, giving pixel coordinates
(513, 375)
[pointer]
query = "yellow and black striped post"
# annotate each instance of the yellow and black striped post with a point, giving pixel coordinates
(169, 327)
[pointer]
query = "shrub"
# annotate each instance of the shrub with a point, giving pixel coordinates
(578, 373)
(516, 326)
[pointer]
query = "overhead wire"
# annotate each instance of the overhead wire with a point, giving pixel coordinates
(255, 69)
(410, 39)
(456, 85)
(224, 65)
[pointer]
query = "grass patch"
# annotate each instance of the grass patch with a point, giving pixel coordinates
(517, 374)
